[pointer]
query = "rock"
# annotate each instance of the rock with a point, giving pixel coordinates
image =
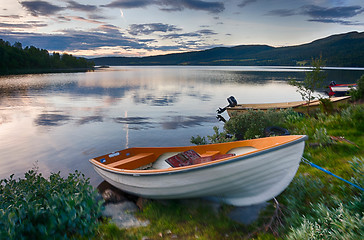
(120, 206)
(112, 194)
(122, 214)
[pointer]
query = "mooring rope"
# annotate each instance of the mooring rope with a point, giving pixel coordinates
(328, 172)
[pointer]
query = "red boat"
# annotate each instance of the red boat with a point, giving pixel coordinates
(338, 90)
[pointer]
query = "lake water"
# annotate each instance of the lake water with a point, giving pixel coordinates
(57, 122)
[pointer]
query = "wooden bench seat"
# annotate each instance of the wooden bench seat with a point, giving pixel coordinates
(133, 162)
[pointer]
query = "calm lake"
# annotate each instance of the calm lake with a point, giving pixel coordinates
(57, 122)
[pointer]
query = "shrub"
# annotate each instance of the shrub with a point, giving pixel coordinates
(321, 137)
(326, 106)
(54, 208)
(353, 117)
(251, 124)
(358, 93)
(217, 137)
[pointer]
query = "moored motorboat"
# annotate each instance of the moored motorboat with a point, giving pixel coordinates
(298, 106)
(239, 173)
(338, 90)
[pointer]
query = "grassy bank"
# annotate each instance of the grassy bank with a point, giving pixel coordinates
(314, 206)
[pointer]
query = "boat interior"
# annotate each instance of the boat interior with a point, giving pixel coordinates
(157, 158)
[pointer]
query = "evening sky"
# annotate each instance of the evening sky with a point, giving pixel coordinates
(151, 27)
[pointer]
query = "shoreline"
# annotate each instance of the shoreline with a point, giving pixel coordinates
(41, 71)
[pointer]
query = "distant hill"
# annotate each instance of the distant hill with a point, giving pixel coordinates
(341, 50)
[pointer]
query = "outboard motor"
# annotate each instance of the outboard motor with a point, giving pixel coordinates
(232, 103)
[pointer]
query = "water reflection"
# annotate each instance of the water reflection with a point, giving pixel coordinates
(135, 123)
(153, 100)
(133, 120)
(51, 119)
(176, 122)
(90, 119)
(62, 120)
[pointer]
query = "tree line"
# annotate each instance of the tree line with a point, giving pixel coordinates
(16, 59)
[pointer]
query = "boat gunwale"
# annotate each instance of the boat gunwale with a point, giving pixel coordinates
(184, 169)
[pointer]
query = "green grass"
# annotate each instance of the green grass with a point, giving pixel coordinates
(183, 219)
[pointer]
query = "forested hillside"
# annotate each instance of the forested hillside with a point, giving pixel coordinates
(342, 50)
(16, 59)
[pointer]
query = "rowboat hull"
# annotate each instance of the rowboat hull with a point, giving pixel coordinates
(298, 106)
(249, 178)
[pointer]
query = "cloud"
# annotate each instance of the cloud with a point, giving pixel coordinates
(245, 3)
(332, 15)
(199, 33)
(129, 3)
(170, 5)
(63, 18)
(96, 16)
(22, 25)
(67, 40)
(318, 12)
(92, 10)
(85, 20)
(180, 35)
(281, 13)
(108, 27)
(10, 16)
(146, 29)
(206, 32)
(342, 22)
(100, 37)
(40, 8)
(322, 14)
(81, 7)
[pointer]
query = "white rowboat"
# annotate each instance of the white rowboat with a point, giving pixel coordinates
(239, 173)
